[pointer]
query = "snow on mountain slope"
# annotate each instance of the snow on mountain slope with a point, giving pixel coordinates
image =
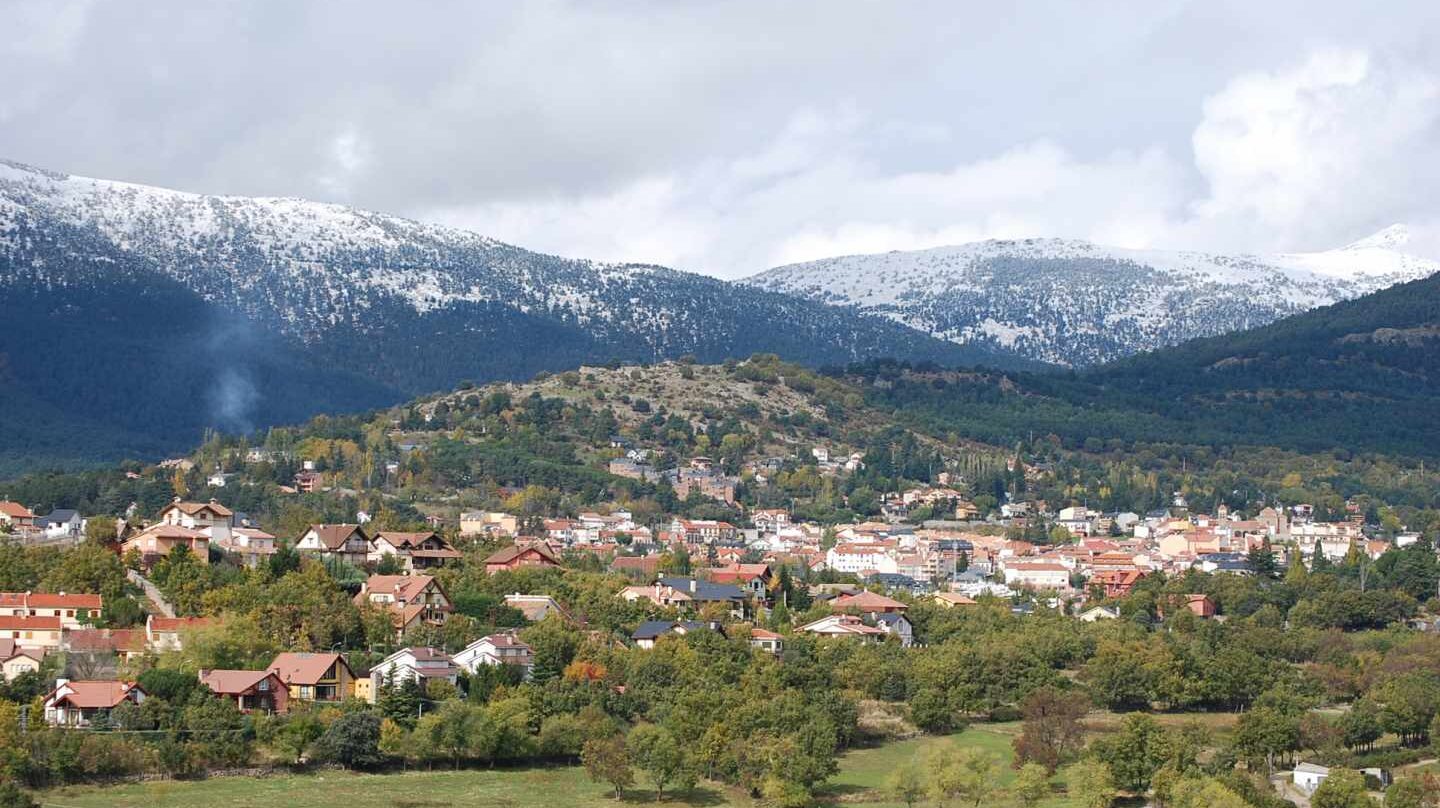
(310, 270)
(1078, 303)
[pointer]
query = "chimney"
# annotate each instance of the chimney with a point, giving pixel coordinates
(694, 584)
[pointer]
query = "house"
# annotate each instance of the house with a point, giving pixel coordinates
(345, 542)
(536, 607)
(519, 556)
(477, 523)
(211, 518)
(414, 550)
(704, 531)
(76, 704)
(641, 567)
(770, 520)
(18, 517)
(898, 625)
(163, 538)
(767, 641)
(867, 602)
(73, 610)
(687, 592)
(32, 632)
(252, 691)
(61, 523)
(861, 558)
(1095, 613)
(1037, 574)
(252, 545)
(497, 649)
(950, 600)
(324, 677)
(125, 644)
(308, 481)
(412, 600)
(753, 578)
(1308, 776)
(1117, 583)
(845, 625)
(649, 632)
(1199, 605)
(423, 665)
(16, 660)
(164, 633)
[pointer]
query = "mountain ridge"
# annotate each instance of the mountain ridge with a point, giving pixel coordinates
(282, 308)
(1077, 303)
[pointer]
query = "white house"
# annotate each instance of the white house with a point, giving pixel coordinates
(423, 664)
(75, 704)
(1037, 574)
(497, 649)
(1308, 776)
(858, 558)
(845, 625)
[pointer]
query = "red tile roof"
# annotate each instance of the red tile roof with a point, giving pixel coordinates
(46, 600)
(174, 624)
(233, 683)
(304, 668)
(15, 510)
(94, 695)
(25, 623)
(334, 536)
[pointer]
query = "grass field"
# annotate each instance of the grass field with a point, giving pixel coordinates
(862, 774)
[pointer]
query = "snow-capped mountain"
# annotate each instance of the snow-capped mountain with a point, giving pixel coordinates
(1078, 303)
(165, 312)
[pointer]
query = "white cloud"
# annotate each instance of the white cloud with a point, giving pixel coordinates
(1340, 143)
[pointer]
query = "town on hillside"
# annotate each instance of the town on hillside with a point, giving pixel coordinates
(510, 575)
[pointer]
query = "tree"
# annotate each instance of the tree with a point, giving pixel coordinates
(12, 797)
(657, 753)
(1360, 727)
(1343, 788)
(1032, 784)
(906, 784)
(1406, 793)
(1091, 783)
(352, 740)
(963, 773)
(607, 760)
(1135, 753)
(395, 741)
(1051, 730)
(1265, 733)
(294, 736)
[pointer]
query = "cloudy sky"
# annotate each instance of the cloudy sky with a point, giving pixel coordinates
(728, 137)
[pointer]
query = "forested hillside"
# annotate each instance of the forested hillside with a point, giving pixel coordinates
(1358, 376)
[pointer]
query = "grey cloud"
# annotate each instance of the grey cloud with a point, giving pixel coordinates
(666, 131)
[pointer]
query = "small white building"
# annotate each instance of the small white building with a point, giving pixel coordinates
(1308, 776)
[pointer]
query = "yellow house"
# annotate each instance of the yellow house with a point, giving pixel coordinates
(315, 677)
(365, 690)
(32, 632)
(15, 660)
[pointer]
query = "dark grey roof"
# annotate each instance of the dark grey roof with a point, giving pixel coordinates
(705, 590)
(650, 629)
(57, 516)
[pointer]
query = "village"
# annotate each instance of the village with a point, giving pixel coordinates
(932, 580)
